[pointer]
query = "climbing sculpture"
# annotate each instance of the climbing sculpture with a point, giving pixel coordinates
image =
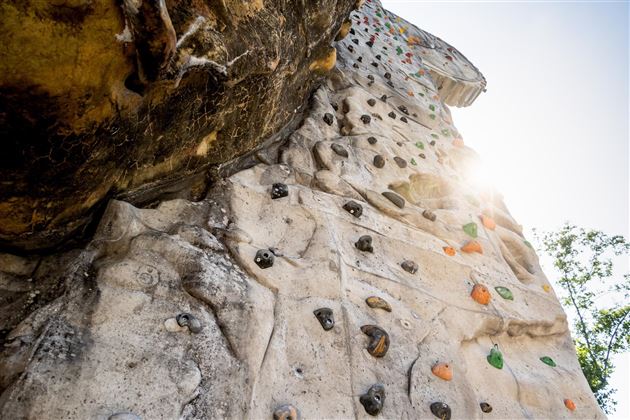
(354, 272)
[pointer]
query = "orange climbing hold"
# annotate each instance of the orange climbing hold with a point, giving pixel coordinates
(442, 371)
(472, 246)
(449, 250)
(569, 404)
(458, 142)
(488, 222)
(480, 294)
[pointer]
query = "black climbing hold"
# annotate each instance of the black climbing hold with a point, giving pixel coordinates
(390, 83)
(264, 258)
(392, 115)
(356, 41)
(371, 140)
(335, 106)
(428, 214)
(485, 407)
(402, 163)
(325, 317)
(350, 48)
(384, 98)
(286, 412)
(371, 102)
(378, 56)
(379, 161)
(403, 119)
(403, 109)
(441, 410)
(328, 118)
(409, 266)
(188, 320)
(360, 59)
(373, 400)
(415, 115)
(339, 149)
(355, 65)
(353, 208)
(387, 75)
(369, 44)
(394, 198)
(422, 155)
(351, 31)
(432, 142)
(366, 119)
(374, 64)
(379, 343)
(364, 244)
(371, 77)
(279, 190)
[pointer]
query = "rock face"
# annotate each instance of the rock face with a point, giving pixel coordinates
(136, 97)
(319, 284)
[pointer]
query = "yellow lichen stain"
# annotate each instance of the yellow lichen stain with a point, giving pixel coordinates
(204, 144)
(325, 64)
(343, 31)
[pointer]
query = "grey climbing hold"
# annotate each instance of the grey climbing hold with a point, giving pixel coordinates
(286, 412)
(379, 343)
(364, 243)
(279, 190)
(371, 102)
(190, 321)
(339, 150)
(371, 140)
(441, 410)
(402, 163)
(394, 198)
(485, 407)
(409, 266)
(373, 400)
(366, 119)
(353, 208)
(428, 214)
(379, 161)
(325, 318)
(328, 118)
(264, 258)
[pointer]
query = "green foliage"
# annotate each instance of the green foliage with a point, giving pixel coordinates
(584, 261)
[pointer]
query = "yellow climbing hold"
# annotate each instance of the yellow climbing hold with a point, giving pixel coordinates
(546, 288)
(325, 64)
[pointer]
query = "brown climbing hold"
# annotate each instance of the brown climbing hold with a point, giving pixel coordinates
(366, 119)
(379, 161)
(286, 412)
(402, 163)
(480, 294)
(379, 343)
(488, 222)
(485, 407)
(397, 200)
(377, 302)
(364, 244)
(472, 246)
(569, 404)
(371, 102)
(442, 371)
(409, 266)
(449, 250)
(384, 98)
(428, 214)
(339, 150)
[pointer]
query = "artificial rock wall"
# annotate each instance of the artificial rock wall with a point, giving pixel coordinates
(353, 271)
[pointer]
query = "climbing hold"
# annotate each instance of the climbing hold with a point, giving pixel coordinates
(328, 118)
(371, 102)
(343, 31)
(403, 109)
(495, 358)
(488, 222)
(339, 150)
(286, 412)
(188, 320)
(324, 64)
(569, 404)
(485, 407)
(428, 214)
(353, 208)
(325, 317)
(264, 258)
(403, 119)
(279, 190)
(402, 163)
(548, 361)
(409, 266)
(480, 294)
(373, 400)
(366, 119)
(546, 288)
(420, 145)
(394, 198)
(392, 114)
(379, 161)
(458, 142)
(413, 162)
(442, 371)
(387, 75)
(472, 246)
(384, 98)
(377, 302)
(432, 142)
(504, 292)
(441, 410)
(470, 229)
(422, 155)
(379, 343)
(364, 244)
(372, 140)
(450, 251)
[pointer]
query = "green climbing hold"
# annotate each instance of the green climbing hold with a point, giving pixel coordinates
(432, 107)
(470, 229)
(420, 145)
(432, 116)
(413, 162)
(420, 93)
(435, 136)
(495, 358)
(504, 292)
(548, 361)
(529, 244)
(445, 132)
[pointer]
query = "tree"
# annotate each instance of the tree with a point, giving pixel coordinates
(602, 324)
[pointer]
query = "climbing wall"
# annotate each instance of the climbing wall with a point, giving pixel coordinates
(359, 271)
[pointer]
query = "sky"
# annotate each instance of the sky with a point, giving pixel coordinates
(552, 128)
